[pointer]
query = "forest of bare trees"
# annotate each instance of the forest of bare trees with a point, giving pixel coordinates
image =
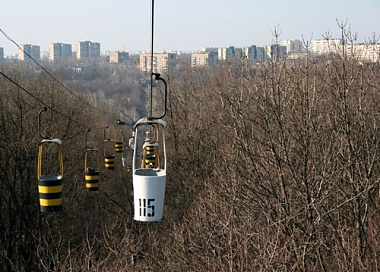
(272, 168)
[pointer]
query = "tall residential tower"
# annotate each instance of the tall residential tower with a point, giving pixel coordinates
(28, 50)
(59, 51)
(88, 50)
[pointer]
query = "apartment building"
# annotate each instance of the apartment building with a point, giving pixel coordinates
(261, 53)
(276, 51)
(162, 62)
(87, 50)
(226, 53)
(361, 52)
(238, 52)
(365, 52)
(119, 57)
(204, 59)
(293, 46)
(27, 50)
(250, 52)
(324, 46)
(59, 51)
(210, 49)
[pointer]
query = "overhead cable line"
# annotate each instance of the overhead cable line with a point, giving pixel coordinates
(42, 102)
(156, 75)
(151, 61)
(51, 75)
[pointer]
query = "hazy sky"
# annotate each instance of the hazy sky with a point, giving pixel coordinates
(184, 25)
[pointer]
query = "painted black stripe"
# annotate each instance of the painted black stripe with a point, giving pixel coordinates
(95, 173)
(54, 182)
(51, 196)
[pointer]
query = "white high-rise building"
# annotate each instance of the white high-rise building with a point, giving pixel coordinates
(325, 46)
(363, 52)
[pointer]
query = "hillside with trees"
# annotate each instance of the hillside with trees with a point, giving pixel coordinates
(271, 168)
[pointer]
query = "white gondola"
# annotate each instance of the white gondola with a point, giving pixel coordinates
(149, 157)
(149, 169)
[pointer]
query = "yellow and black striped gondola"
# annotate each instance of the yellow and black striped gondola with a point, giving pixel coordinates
(50, 173)
(150, 151)
(91, 168)
(108, 149)
(127, 159)
(50, 184)
(119, 141)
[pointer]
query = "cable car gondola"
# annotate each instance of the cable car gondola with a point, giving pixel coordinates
(149, 169)
(126, 158)
(49, 171)
(119, 141)
(108, 149)
(128, 155)
(91, 167)
(149, 157)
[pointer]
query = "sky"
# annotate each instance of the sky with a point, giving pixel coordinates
(181, 25)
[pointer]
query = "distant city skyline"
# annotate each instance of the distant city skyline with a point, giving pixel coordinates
(186, 25)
